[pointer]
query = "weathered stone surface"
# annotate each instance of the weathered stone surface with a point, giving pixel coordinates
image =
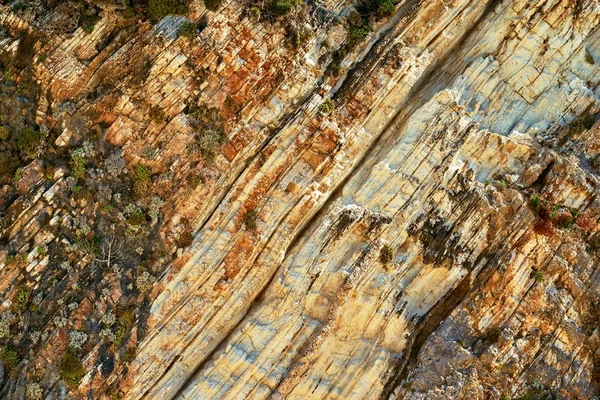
(452, 140)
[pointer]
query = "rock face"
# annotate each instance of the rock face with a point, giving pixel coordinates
(274, 209)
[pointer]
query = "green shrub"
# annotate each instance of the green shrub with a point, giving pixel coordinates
(18, 176)
(123, 326)
(28, 142)
(298, 37)
(385, 8)
(142, 179)
(212, 5)
(142, 172)
(538, 276)
(9, 163)
(255, 13)
(210, 135)
(158, 9)
(89, 245)
(149, 153)
(10, 357)
(357, 34)
(250, 220)
(581, 124)
(77, 163)
(281, 7)
(19, 6)
(136, 218)
(89, 20)
(22, 298)
(328, 106)
(188, 30)
(208, 143)
(380, 8)
(4, 133)
(535, 202)
(386, 254)
(77, 191)
(71, 369)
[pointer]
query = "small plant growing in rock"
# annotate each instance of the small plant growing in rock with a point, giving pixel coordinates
(19, 6)
(4, 133)
(149, 153)
(5, 322)
(158, 9)
(250, 220)
(581, 124)
(141, 176)
(208, 144)
(18, 176)
(115, 163)
(108, 319)
(29, 142)
(386, 254)
(71, 369)
(136, 218)
(535, 202)
(154, 208)
(78, 163)
(157, 114)
(188, 30)
(144, 282)
(595, 161)
(357, 34)
(210, 135)
(89, 18)
(385, 8)
(212, 5)
(77, 339)
(10, 357)
(564, 217)
(379, 8)
(255, 13)
(22, 298)
(34, 391)
(122, 326)
(538, 276)
(281, 7)
(328, 106)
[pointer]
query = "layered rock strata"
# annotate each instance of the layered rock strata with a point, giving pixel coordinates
(395, 247)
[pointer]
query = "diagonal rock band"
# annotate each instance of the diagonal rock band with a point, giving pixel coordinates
(299, 200)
